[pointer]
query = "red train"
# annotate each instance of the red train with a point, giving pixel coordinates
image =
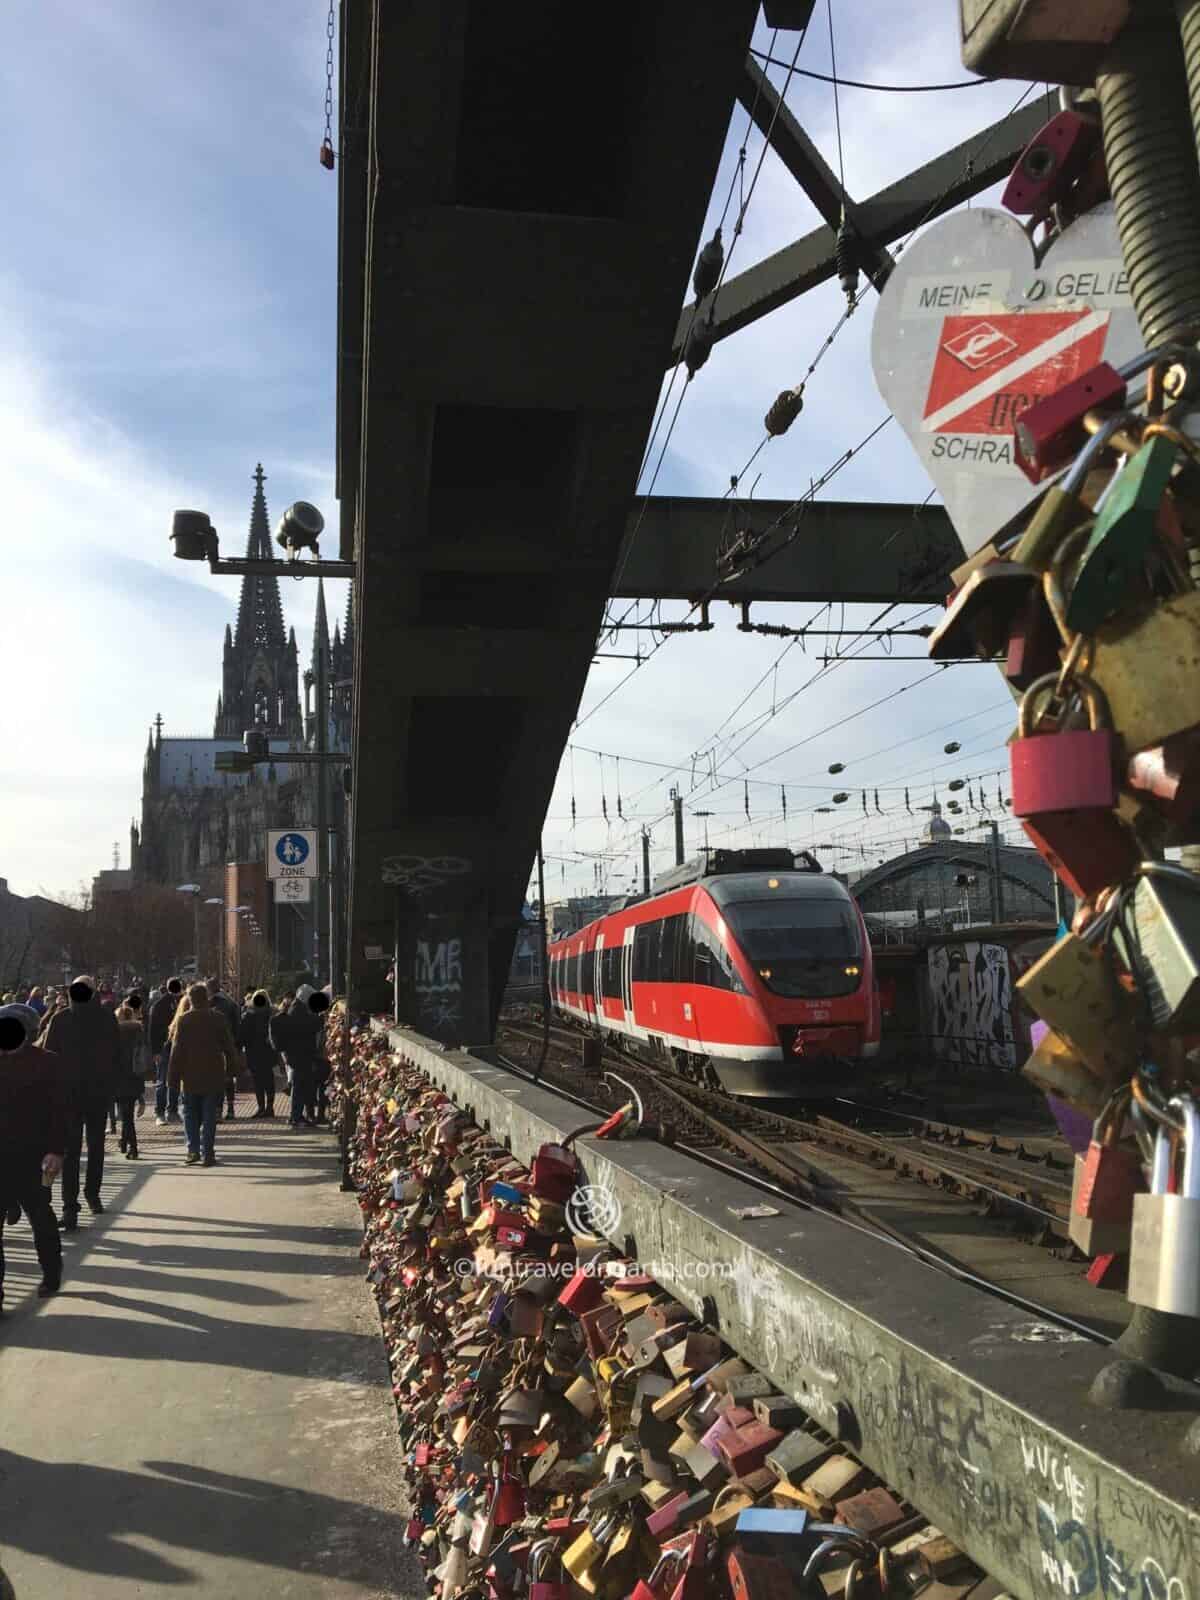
(750, 969)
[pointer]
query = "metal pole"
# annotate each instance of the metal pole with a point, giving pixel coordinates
(196, 932)
(677, 804)
(322, 836)
(541, 869)
(997, 890)
(396, 960)
(645, 862)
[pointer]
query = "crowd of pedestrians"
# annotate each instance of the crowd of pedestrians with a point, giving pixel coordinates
(76, 1064)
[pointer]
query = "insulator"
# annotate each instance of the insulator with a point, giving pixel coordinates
(878, 807)
(907, 803)
(783, 799)
(837, 766)
(952, 748)
(957, 783)
(866, 809)
(604, 806)
(746, 790)
(841, 795)
(845, 260)
(785, 408)
(699, 345)
(708, 266)
(572, 810)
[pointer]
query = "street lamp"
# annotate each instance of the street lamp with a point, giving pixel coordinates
(194, 890)
(216, 900)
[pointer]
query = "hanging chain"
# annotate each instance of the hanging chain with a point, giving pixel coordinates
(327, 143)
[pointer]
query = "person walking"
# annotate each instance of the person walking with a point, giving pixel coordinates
(86, 1040)
(228, 1008)
(203, 1054)
(297, 1034)
(162, 1015)
(33, 1129)
(254, 1038)
(131, 1078)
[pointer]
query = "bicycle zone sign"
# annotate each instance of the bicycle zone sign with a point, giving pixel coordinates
(292, 853)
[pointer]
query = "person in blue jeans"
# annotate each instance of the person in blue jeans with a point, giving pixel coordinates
(202, 1055)
(162, 1015)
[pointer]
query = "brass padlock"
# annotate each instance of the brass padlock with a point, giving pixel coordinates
(1146, 665)
(1072, 988)
(584, 1555)
(1056, 1069)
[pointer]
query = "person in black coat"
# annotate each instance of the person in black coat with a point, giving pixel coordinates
(254, 1039)
(228, 1008)
(298, 1034)
(33, 1130)
(86, 1039)
(162, 1014)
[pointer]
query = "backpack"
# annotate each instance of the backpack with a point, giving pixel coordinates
(142, 1059)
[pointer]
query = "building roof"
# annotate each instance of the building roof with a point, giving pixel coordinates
(191, 763)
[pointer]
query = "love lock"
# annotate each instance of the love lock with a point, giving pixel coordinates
(1164, 1263)
(959, 352)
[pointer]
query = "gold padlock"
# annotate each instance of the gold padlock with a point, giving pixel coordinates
(1146, 666)
(1056, 1069)
(1072, 988)
(582, 1558)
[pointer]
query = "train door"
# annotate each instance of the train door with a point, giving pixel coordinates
(627, 977)
(598, 980)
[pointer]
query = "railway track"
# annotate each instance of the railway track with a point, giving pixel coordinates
(979, 1169)
(776, 1152)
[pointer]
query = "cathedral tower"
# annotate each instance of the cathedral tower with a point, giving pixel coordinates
(260, 681)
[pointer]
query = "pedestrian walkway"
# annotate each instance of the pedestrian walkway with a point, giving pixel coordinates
(206, 1404)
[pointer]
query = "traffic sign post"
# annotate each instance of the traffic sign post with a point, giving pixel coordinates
(293, 891)
(292, 853)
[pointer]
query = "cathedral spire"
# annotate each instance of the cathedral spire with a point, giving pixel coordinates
(321, 628)
(260, 613)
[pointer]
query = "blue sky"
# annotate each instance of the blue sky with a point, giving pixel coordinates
(168, 318)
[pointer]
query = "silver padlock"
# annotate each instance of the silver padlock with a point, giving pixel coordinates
(1165, 913)
(1164, 1265)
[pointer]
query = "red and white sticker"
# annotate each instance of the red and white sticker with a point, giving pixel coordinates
(988, 369)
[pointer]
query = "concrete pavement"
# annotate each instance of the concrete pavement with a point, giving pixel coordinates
(206, 1405)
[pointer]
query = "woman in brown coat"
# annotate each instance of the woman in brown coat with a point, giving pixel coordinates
(202, 1053)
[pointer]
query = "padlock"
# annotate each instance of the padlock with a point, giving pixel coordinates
(1122, 536)
(758, 1577)
(1166, 779)
(979, 618)
(582, 1293)
(541, 1557)
(796, 1456)
(1146, 664)
(582, 1557)
(1064, 790)
(554, 1172)
(1164, 1261)
(1091, 1237)
(1158, 935)
(1072, 987)
(667, 1570)
(1050, 165)
(1056, 1069)
(1051, 432)
(1111, 1175)
(694, 1581)
(1055, 41)
(1033, 642)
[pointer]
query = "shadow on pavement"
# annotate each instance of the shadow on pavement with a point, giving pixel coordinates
(84, 1517)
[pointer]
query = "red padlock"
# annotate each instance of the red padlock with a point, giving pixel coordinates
(744, 1450)
(1051, 432)
(1064, 790)
(1111, 1176)
(694, 1582)
(553, 1173)
(758, 1577)
(668, 1567)
(540, 1558)
(582, 1293)
(1050, 165)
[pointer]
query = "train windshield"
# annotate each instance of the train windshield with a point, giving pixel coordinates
(800, 948)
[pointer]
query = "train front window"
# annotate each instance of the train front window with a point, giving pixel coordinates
(800, 948)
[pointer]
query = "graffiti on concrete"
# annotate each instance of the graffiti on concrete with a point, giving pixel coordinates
(419, 875)
(970, 992)
(438, 982)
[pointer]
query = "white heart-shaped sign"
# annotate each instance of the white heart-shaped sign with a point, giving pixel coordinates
(971, 328)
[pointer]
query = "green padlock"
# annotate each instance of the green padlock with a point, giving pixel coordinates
(1122, 536)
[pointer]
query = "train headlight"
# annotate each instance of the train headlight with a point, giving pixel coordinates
(852, 972)
(772, 883)
(765, 972)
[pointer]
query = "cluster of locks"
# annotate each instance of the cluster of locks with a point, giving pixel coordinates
(1094, 612)
(568, 1428)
